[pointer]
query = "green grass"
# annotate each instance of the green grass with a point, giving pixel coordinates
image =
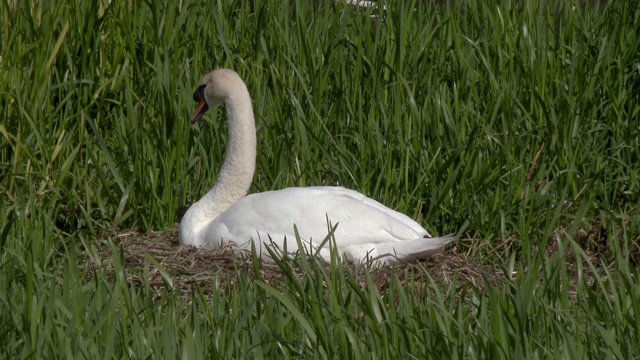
(517, 123)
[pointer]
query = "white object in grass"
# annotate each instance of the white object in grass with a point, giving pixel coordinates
(364, 228)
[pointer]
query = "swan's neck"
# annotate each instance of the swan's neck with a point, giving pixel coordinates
(236, 174)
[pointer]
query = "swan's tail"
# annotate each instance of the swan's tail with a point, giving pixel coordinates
(395, 252)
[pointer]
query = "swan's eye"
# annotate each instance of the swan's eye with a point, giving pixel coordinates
(199, 93)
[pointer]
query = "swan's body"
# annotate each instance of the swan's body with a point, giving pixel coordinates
(365, 228)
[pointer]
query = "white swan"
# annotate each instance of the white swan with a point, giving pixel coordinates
(365, 229)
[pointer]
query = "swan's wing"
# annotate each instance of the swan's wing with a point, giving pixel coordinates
(402, 218)
(271, 215)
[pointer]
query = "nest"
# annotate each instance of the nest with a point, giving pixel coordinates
(155, 258)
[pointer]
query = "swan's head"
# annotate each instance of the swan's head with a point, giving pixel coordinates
(213, 90)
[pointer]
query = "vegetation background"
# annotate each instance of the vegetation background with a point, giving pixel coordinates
(512, 122)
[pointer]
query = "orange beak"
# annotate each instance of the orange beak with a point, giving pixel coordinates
(202, 108)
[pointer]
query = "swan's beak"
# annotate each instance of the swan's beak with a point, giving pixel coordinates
(202, 108)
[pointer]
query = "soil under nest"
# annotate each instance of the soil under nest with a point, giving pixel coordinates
(141, 254)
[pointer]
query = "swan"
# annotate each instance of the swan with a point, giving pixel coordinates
(365, 230)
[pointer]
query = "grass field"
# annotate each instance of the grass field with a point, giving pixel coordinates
(516, 124)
